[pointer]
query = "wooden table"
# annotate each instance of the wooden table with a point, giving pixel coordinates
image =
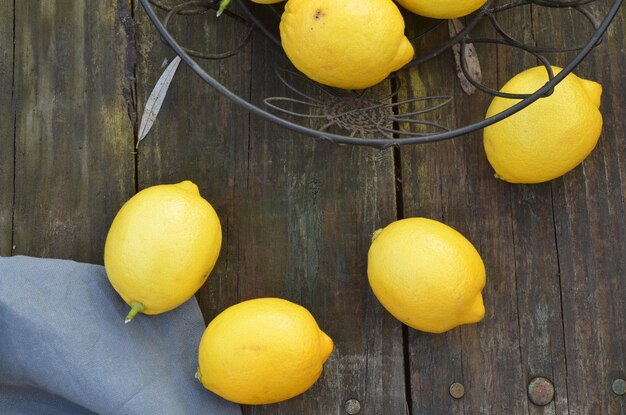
(297, 214)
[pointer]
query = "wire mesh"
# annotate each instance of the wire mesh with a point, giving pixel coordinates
(364, 118)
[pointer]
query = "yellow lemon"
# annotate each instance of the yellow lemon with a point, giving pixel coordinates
(161, 247)
(350, 44)
(442, 9)
(549, 137)
(426, 274)
(262, 351)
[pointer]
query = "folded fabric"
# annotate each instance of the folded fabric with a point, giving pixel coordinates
(64, 347)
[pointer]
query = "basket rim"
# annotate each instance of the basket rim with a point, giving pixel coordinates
(381, 143)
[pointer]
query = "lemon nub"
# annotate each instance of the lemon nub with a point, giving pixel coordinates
(326, 346)
(189, 186)
(475, 311)
(135, 308)
(376, 233)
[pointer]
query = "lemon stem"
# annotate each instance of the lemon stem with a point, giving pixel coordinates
(376, 233)
(135, 307)
(223, 5)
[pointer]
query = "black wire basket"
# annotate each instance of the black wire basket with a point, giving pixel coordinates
(386, 116)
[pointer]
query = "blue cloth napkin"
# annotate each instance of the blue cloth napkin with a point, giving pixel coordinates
(64, 347)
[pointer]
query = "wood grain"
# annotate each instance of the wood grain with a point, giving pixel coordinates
(492, 364)
(435, 360)
(309, 214)
(295, 226)
(199, 135)
(74, 138)
(452, 182)
(521, 225)
(537, 277)
(590, 212)
(297, 214)
(7, 118)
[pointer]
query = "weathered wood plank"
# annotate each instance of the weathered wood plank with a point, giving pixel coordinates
(7, 118)
(74, 138)
(199, 134)
(295, 224)
(590, 216)
(491, 357)
(537, 283)
(318, 204)
(435, 360)
(452, 182)
(537, 276)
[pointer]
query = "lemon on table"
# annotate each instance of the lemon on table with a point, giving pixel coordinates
(262, 351)
(161, 247)
(549, 137)
(442, 9)
(350, 44)
(426, 274)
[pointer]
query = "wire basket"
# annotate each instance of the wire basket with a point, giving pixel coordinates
(385, 115)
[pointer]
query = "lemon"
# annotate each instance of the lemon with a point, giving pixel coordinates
(350, 44)
(426, 274)
(549, 137)
(262, 351)
(442, 9)
(161, 247)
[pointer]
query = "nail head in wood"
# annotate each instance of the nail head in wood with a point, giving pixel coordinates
(457, 390)
(619, 387)
(540, 391)
(352, 406)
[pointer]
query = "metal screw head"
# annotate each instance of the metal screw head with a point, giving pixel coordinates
(352, 406)
(540, 391)
(457, 390)
(619, 387)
